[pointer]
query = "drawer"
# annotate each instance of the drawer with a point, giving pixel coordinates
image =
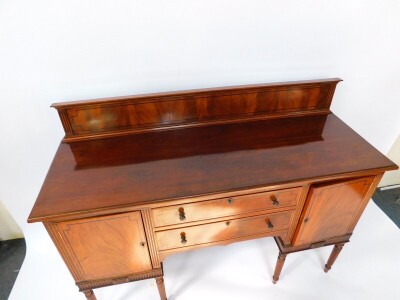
(224, 207)
(224, 230)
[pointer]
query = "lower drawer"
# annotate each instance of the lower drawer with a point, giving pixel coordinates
(221, 231)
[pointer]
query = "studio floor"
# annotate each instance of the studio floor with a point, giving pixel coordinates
(367, 268)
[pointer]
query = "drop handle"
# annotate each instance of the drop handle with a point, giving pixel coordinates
(183, 238)
(182, 216)
(269, 224)
(275, 201)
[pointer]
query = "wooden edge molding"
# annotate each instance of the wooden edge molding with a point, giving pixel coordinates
(64, 250)
(100, 118)
(149, 229)
(88, 285)
(366, 199)
(70, 137)
(284, 249)
(205, 91)
(296, 216)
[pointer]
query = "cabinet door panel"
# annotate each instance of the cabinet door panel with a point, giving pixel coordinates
(331, 209)
(109, 246)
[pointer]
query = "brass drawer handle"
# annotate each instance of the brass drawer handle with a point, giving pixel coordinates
(275, 201)
(182, 216)
(183, 238)
(270, 225)
(230, 200)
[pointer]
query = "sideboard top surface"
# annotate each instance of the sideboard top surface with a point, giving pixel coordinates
(153, 166)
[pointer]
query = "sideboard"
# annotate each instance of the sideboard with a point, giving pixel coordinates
(139, 178)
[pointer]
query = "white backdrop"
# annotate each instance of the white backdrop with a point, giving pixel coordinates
(69, 50)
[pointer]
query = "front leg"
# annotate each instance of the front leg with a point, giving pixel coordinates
(161, 288)
(90, 295)
(278, 268)
(335, 252)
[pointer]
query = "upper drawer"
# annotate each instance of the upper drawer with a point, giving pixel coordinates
(223, 207)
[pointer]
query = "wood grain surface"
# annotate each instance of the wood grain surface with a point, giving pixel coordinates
(138, 178)
(221, 231)
(331, 209)
(157, 166)
(104, 247)
(121, 115)
(223, 207)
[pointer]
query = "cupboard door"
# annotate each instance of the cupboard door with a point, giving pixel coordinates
(331, 209)
(104, 247)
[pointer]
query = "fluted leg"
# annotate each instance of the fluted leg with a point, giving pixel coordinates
(278, 267)
(335, 252)
(161, 288)
(90, 295)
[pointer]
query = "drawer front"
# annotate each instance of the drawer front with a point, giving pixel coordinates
(223, 207)
(221, 231)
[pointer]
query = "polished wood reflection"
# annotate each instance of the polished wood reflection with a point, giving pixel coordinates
(99, 117)
(131, 165)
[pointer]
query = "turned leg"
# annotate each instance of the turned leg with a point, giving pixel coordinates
(278, 267)
(335, 252)
(90, 295)
(161, 288)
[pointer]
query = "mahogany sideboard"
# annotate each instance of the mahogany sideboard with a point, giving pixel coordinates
(138, 178)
